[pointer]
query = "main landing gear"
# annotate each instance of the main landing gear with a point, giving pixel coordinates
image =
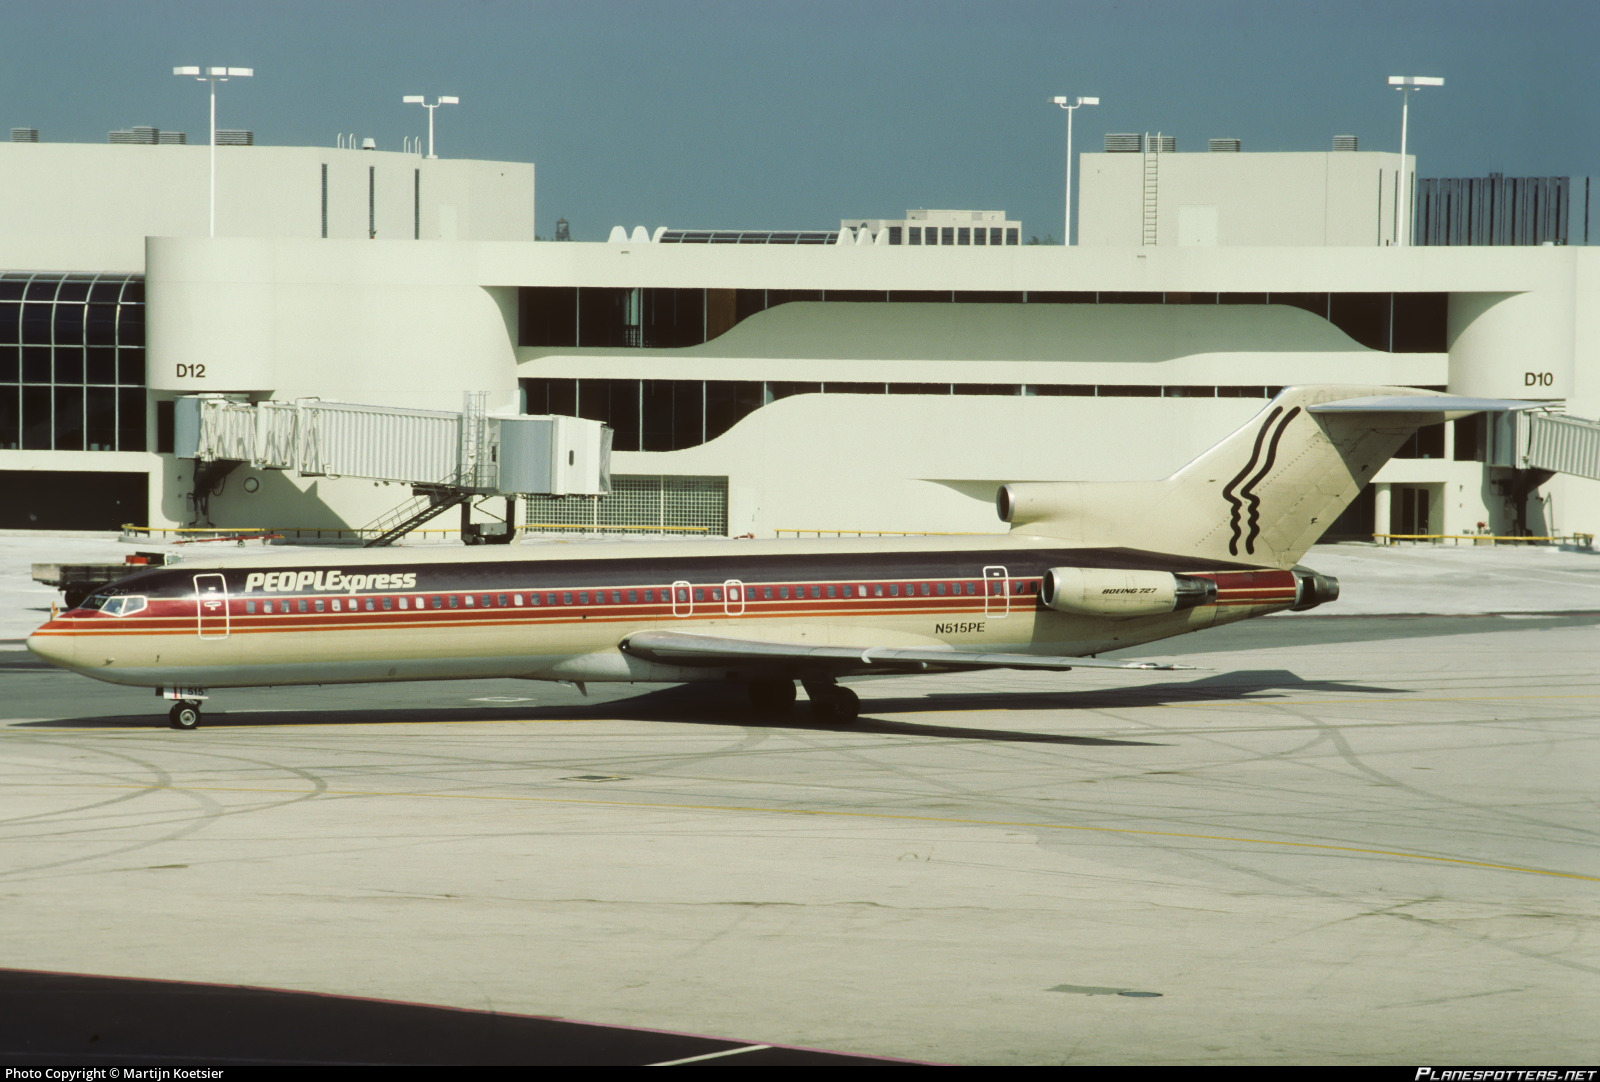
(829, 701)
(772, 696)
(832, 703)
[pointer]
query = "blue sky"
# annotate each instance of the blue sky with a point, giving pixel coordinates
(777, 114)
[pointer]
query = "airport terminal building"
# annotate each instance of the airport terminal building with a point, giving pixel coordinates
(887, 375)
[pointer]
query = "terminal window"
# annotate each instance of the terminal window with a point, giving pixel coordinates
(72, 362)
(557, 317)
(673, 415)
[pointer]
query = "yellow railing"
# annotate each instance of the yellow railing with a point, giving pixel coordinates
(182, 535)
(580, 527)
(1585, 540)
(879, 533)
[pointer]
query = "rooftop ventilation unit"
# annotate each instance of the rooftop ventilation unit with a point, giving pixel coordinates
(235, 137)
(1345, 142)
(24, 135)
(1123, 143)
(172, 138)
(1224, 146)
(143, 136)
(1162, 144)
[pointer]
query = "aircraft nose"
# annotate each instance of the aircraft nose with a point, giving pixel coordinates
(54, 647)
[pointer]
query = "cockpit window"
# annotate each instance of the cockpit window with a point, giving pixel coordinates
(123, 606)
(95, 603)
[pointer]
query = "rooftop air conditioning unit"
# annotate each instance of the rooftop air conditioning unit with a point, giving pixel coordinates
(1345, 142)
(235, 137)
(172, 138)
(1224, 146)
(1124, 142)
(1163, 144)
(24, 135)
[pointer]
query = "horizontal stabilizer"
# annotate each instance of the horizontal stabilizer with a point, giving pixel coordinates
(679, 648)
(1433, 403)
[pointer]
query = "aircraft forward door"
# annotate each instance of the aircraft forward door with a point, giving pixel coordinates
(211, 606)
(733, 597)
(996, 592)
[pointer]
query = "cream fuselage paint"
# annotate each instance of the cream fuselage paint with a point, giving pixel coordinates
(560, 612)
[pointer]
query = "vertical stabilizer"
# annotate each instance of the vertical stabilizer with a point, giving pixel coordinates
(1263, 496)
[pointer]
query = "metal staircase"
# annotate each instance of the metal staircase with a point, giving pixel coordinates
(427, 502)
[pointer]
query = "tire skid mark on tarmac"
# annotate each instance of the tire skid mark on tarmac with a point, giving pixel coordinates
(1354, 759)
(1331, 734)
(209, 809)
(1334, 733)
(76, 809)
(824, 813)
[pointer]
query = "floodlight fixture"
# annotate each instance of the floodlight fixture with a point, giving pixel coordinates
(418, 99)
(1070, 104)
(1407, 85)
(213, 76)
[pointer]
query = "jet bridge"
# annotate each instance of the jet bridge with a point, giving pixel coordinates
(1555, 442)
(449, 458)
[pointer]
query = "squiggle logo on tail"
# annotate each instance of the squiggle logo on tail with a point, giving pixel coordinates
(1237, 514)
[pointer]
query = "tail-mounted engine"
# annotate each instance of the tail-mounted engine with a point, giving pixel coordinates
(1312, 589)
(1091, 591)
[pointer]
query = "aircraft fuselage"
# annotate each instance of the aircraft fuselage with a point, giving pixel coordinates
(561, 612)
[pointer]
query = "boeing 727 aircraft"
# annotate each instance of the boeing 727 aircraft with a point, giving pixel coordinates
(1086, 568)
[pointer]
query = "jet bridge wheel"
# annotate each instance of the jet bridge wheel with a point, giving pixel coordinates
(184, 715)
(772, 696)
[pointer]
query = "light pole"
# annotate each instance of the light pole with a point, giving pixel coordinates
(214, 76)
(1069, 104)
(1406, 84)
(417, 99)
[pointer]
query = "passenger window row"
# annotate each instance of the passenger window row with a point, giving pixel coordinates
(650, 596)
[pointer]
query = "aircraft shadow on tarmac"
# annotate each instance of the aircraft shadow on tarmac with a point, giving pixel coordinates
(723, 705)
(670, 705)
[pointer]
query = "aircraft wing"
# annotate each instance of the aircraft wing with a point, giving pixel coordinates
(680, 648)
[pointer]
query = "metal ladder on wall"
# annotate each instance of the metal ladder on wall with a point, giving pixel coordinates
(1152, 179)
(477, 465)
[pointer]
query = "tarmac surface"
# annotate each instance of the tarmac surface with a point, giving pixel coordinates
(1355, 839)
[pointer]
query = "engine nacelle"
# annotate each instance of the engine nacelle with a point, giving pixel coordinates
(1312, 589)
(1093, 591)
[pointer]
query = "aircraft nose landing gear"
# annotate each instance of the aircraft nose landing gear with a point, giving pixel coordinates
(185, 712)
(184, 715)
